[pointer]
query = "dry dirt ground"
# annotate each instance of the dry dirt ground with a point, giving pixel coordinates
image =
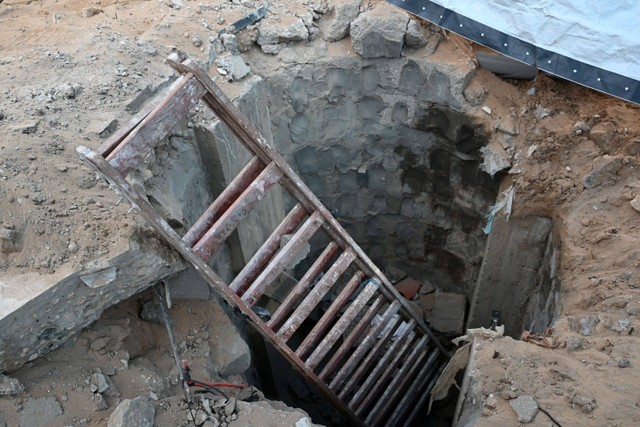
(65, 76)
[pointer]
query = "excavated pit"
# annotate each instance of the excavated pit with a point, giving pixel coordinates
(396, 163)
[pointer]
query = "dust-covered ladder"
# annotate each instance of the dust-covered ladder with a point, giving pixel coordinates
(370, 353)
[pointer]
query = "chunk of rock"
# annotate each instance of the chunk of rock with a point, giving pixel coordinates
(525, 408)
(419, 36)
(133, 412)
(10, 386)
(605, 172)
(379, 33)
(585, 325)
(233, 65)
(90, 11)
(603, 134)
(105, 385)
(26, 127)
(230, 354)
(585, 401)
(336, 24)
(287, 29)
(635, 203)
(40, 412)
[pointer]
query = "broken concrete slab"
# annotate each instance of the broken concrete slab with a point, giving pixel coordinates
(133, 412)
(234, 66)
(525, 408)
(230, 354)
(68, 303)
(287, 29)
(379, 32)
(40, 412)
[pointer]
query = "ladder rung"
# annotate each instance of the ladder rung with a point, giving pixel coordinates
(330, 315)
(156, 125)
(356, 333)
(425, 394)
(413, 391)
(315, 295)
(301, 287)
(341, 325)
(404, 373)
(224, 226)
(363, 368)
(282, 259)
(364, 346)
(388, 372)
(382, 364)
(223, 201)
(267, 250)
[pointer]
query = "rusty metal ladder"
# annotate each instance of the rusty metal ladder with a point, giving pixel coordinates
(370, 353)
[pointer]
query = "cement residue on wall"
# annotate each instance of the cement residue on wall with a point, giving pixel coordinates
(379, 143)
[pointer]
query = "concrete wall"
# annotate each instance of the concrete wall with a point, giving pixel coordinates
(380, 145)
(518, 276)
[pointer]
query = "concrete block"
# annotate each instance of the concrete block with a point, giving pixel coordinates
(379, 33)
(448, 313)
(287, 29)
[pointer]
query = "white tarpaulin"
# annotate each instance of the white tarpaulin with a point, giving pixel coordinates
(594, 43)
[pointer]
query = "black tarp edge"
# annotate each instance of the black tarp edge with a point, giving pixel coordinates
(553, 63)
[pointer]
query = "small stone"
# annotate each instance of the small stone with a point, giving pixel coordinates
(230, 407)
(540, 113)
(574, 344)
(196, 40)
(585, 400)
(525, 408)
(271, 49)
(201, 417)
(90, 11)
(567, 168)
(635, 203)
(491, 402)
(486, 110)
(581, 127)
(623, 363)
(61, 167)
(73, 247)
(10, 386)
(26, 127)
(531, 91)
(100, 403)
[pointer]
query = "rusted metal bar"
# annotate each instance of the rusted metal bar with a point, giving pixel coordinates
(99, 164)
(381, 382)
(354, 379)
(268, 249)
(282, 259)
(302, 286)
(228, 221)
(388, 397)
(425, 394)
(383, 363)
(414, 391)
(249, 136)
(315, 295)
(348, 343)
(329, 315)
(156, 125)
(342, 324)
(229, 195)
(364, 346)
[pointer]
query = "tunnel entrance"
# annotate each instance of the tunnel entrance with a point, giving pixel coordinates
(384, 146)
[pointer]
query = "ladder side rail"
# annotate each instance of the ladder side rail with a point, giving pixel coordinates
(99, 164)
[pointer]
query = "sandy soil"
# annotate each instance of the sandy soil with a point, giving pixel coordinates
(64, 77)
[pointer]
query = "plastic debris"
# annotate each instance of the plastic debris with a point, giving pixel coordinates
(503, 205)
